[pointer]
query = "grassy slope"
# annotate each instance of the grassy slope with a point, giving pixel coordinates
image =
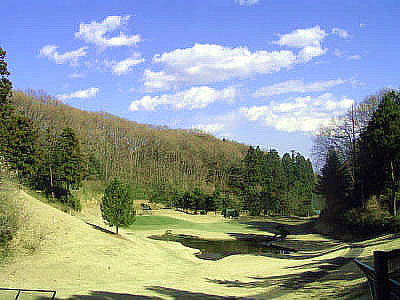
(72, 250)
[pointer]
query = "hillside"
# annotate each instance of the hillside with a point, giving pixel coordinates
(144, 154)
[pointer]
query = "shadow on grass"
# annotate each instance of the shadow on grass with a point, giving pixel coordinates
(102, 295)
(292, 224)
(174, 293)
(105, 230)
(323, 278)
(183, 295)
(320, 247)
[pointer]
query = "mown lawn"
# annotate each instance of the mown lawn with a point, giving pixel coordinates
(163, 222)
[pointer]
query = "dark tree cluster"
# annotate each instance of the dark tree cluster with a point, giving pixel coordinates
(361, 176)
(268, 183)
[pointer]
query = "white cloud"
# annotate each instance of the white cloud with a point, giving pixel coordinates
(71, 57)
(90, 92)
(304, 114)
(341, 33)
(208, 63)
(246, 2)
(309, 52)
(302, 38)
(354, 57)
(296, 86)
(309, 40)
(193, 98)
(362, 25)
(210, 128)
(125, 66)
(96, 33)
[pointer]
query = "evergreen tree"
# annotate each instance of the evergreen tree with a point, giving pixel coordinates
(18, 135)
(68, 164)
(335, 184)
(5, 84)
(380, 150)
(117, 204)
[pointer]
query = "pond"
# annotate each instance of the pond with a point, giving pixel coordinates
(218, 249)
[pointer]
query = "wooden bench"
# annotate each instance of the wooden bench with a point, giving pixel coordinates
(386, 264)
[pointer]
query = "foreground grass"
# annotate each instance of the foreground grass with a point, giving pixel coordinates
(163, 222)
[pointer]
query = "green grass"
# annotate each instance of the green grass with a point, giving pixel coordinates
(163, 222)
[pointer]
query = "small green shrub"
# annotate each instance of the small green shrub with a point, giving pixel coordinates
(366, 221)
(9, 219)
(74, 202)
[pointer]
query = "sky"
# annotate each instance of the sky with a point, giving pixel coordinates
(260, 72)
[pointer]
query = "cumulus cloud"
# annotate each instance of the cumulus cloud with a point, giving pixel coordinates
(208, 63)
(71, 57)
(308, 39)
(210, 128)
(193, 98)
(296, 86)
(125, 66)
(302, 38)
(90, 92)
(247, 2)
(305, 114)
(96, 33)
(341, 33)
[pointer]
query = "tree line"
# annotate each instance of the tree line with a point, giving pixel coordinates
(261, 183)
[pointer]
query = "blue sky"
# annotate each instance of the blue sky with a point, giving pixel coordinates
(264, 72)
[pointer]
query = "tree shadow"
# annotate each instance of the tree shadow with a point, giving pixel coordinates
(294, 225)
(183, 295)
(107, 231)
(326, 273)
(319, 247)
(102, 295)
(102, 229)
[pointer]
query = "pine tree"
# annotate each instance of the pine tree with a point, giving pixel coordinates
(380, 150)
(18, 135)
(335, 184)
(68, 164)
(117, 204)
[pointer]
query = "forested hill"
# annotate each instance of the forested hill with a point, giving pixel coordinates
(141, 154)
(177, 167)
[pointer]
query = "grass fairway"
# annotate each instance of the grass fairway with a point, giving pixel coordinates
(164, 222)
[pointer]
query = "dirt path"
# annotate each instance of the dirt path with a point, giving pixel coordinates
(79, 259)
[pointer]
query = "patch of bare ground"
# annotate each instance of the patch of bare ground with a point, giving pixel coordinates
(81, 258)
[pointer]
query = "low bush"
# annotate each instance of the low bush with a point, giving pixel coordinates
(9, 219)
(367, 222)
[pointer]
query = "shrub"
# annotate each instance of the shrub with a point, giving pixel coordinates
(367, 221)
(9, 219)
